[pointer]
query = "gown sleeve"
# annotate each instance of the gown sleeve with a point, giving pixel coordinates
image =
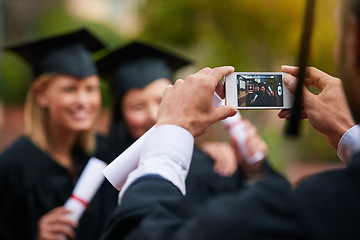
(153, 208)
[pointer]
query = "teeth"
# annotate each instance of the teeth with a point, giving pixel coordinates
(81, 114)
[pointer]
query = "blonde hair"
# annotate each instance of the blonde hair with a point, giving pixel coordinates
(36, 120)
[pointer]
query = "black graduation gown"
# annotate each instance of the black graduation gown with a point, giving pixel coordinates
(202, 183)
(248, 99)
(32, 184)
(325, 206)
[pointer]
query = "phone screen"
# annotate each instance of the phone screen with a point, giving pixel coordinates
(254, 90)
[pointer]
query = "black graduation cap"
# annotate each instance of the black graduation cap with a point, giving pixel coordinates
(69, 54)
(138, 64)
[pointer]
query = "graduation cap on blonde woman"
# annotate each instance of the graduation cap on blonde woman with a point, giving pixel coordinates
(137, 64)
(68, 53)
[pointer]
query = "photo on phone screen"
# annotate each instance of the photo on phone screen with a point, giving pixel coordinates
(259, 90)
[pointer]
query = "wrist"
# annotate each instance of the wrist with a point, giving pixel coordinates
(178, 123)
(342, 130)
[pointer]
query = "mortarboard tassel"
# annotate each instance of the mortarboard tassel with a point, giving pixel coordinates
(293, 127)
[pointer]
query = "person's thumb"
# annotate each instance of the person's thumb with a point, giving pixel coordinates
(223, 112)
(291, 83)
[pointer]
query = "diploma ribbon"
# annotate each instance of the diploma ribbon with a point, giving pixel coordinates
(80, 200)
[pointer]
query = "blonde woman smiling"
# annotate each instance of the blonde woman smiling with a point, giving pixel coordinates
(39, 171)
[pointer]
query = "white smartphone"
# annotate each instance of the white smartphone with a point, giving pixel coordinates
(257, 90)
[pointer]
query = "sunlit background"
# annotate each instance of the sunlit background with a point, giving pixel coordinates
(251, 35)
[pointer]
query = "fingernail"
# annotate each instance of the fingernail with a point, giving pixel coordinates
(287, 66)
(289, 79)
(288, 116)
(231, 67)
(234, 111)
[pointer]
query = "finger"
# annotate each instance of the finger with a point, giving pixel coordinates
(264, 148)
(169, 88)
(52, 236)
(238, 155)
(223, 112)
(291, 83)
(220, 72)
(250, 128)
(284, 112)
(248, 124)
(53, 215)
(62, 219)
(66, 221)
(63, 229)
(302, 115)
(318, 78)
(59, 211)
(290, 69)
(252, 145)
(205, 70)
(177, 82)
(313, 75)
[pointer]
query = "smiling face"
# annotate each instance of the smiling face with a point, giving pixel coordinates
(140, 106)
(72, 104)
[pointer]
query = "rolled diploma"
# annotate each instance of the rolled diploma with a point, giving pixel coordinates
(89, 182)
(237, 130)
(270, 90)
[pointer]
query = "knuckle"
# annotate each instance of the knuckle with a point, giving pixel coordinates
(177, 82)
(191, 77)
(167, 89)
(311, 69)
(337, 81)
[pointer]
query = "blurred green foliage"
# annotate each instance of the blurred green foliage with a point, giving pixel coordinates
(251, 35)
